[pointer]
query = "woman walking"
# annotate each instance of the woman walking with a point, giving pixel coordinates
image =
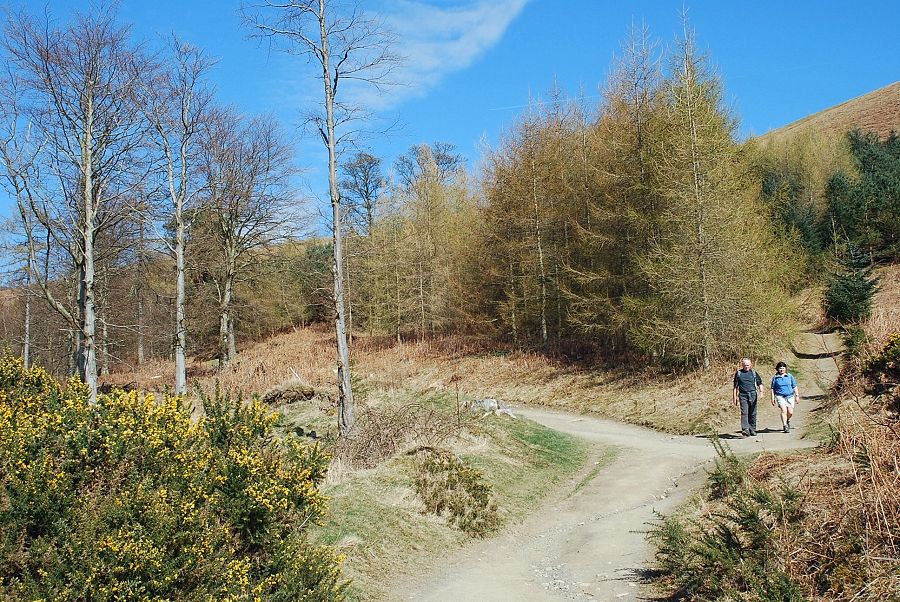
(784, 394)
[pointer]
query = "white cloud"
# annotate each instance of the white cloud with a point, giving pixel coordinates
(434, 37)
(438, 38)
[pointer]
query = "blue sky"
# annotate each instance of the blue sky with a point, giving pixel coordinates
(473, 64)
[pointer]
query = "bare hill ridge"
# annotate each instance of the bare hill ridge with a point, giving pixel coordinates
(877, 111)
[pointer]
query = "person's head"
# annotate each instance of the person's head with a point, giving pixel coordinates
(781, 367)
(746, 364)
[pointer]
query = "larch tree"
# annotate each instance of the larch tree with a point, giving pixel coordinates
(529, 187)
(506, 228)
(429, 199)
(713, 270)
(616, 219)
(345, 45)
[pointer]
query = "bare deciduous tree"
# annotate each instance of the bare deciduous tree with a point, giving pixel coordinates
(18, 153)
(175, 99)
(78, 84)
(438, 161)
(362, 186)
(246, 169)
(345, 46)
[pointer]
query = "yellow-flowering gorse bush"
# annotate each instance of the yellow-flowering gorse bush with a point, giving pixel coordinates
(129, 499)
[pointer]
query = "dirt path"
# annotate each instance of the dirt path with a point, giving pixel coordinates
(588, 543)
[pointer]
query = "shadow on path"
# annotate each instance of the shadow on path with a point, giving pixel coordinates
(648, 578)
(737, 436)
(815, 356)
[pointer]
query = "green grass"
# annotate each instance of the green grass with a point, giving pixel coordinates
(609, 454)
(375, 520)
(378, 522)
(532, 459)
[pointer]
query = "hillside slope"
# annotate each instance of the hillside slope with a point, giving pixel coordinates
(878, 111)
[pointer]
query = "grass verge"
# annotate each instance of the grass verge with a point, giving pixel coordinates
(378, 522)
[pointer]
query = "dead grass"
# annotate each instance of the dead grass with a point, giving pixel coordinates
(884, 321)
(847, 546)
(877, 111)
(671, 402)
(885, 318)
(809, 307)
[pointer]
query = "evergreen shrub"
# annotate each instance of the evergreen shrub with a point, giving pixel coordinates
(849, 292)
(449, 486)
(733, 553)
(129, 499)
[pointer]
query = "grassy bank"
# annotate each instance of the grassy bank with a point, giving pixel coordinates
(379, 522)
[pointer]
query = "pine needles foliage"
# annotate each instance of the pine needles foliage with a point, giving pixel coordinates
(849, 291)
(733, 552)
(866, 210)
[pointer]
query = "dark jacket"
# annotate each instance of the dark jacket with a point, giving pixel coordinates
(747, 381)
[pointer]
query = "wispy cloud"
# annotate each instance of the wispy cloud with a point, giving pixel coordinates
(437, 38)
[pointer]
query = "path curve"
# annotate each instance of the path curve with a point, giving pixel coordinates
(588, 543)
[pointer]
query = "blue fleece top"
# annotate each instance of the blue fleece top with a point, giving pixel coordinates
(784, 385)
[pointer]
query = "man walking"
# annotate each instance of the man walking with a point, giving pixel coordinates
(746, 391)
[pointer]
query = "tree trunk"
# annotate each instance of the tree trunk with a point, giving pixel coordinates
(140, 297)
(226, 334)
(26, 339)
(104, 354)
(73, 342)
(540, 250)
(397, 287)
(232, 347)
(88, 226)
(88, 368)
(223, 336)
(706, 352)
(140, 326)
(74, 334)
(349, 299)
(422, 320)
(180, 330)
(346, 418)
